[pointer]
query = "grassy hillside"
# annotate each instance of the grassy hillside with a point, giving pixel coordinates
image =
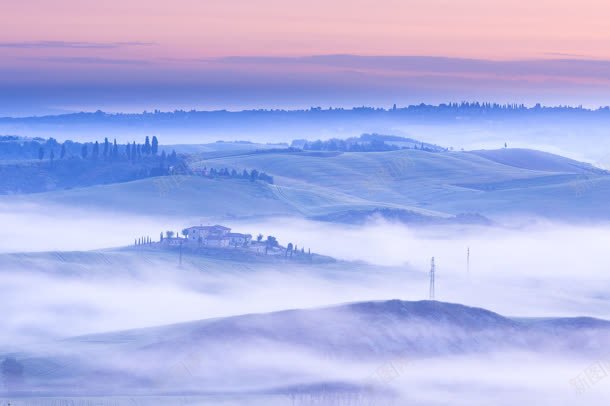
(490, 183)
(221, 148)
(411, 183)
(133, 260)
(171, 195)
(537, 160)
(35, 176)
(185, 196)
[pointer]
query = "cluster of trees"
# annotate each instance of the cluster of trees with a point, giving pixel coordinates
(272, 242)
(336, 144)
(253, 175)
(294, 250)
(365, 143)
(108, 151)
(135, 151)
(164, 116)
(13, 147)
(144, 241)
(463, 106)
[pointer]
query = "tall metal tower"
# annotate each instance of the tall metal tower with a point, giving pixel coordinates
(180, 258)
(432, 271)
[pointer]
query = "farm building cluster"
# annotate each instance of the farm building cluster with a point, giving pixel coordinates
(221, 237)
(215, 236)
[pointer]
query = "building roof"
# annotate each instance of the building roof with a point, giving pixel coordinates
(215, 227)
(219, 227)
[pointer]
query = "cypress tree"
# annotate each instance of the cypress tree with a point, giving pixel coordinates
(155, 145)
(96, 150)
(146, 148)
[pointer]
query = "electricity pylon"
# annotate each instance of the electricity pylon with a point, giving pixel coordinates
(432, 271)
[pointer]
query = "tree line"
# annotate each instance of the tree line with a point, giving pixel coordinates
(365, 143)
(252, 175)
(336, 144)
(13, 147)
(106, 150)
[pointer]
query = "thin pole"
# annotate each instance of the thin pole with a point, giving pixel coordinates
(432, 271)
(180, 260)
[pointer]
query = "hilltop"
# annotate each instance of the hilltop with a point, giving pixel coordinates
(221, 242)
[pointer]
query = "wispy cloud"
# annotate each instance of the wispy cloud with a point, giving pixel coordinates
(89, 60)
(562, 67)
(74, 44)
(563, 54)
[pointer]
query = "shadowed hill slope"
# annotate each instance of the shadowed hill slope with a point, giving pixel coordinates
(217, 353)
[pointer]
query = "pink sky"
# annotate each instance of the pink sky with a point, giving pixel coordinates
(498, 29)
(67, 55)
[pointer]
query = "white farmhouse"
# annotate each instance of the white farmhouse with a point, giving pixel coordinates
(201, 234)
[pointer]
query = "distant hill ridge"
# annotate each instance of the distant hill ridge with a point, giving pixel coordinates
(313, 122)
(374, 331)
(373, 314)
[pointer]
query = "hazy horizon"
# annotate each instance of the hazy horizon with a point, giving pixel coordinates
(90, 83)
(145, 55)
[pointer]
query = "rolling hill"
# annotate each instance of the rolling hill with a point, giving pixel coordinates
(415, 186)
(538, 161)
(217, 353)
(491, 183)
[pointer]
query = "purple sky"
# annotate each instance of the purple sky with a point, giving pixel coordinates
(131, 55)
(86, 83)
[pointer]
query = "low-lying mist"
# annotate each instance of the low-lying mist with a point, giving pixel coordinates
(543, 269)
(539, 269)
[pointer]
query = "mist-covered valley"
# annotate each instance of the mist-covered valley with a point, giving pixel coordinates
(247, 273)
(284, 203)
